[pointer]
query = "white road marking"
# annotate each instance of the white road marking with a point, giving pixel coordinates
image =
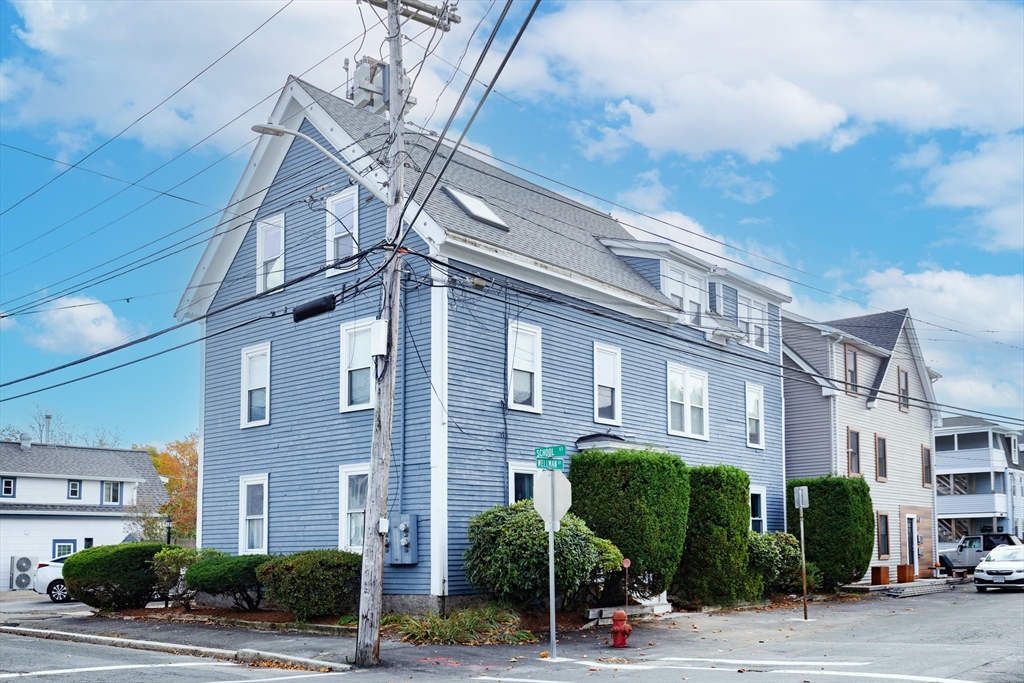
(762, 662)
(864, 674)
(520, 680)
(53, 672)
(317, 674)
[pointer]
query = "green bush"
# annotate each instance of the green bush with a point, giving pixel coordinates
(233, 575)
(113, 576)
(776, 558)
(170, 564)
(638, 500)
(508, 553)
(839, 527)
(714, 569)
(313, 583)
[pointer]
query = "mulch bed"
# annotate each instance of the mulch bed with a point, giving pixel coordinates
(540, 622)
(265, 616)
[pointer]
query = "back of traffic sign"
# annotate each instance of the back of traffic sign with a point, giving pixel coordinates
(551, 509)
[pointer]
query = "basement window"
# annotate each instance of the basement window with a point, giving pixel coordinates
(476, 208)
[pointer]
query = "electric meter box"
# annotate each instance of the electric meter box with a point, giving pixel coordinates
(402, 546)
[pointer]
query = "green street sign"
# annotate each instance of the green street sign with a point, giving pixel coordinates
(550, 457)
(550, 464)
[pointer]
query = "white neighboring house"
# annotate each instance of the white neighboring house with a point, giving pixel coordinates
(56, 500)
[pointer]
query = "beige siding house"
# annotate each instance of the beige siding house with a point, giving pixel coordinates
(859, 403)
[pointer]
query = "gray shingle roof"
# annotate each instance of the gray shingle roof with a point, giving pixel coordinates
(880, 329)
(542, 225)
(79, 461)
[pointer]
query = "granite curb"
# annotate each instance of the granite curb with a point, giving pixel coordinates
(245, 655)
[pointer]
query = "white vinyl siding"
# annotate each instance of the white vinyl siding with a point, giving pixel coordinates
(252, 514)
(269, 253)
(607, 384)
(524, 364)
(255, 398)
(354, 481)
(755, 416)
(687, 402)
(687, 291)
(752, 317)
(342, 228)
(356, 366)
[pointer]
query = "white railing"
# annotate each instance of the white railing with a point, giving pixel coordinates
(975, 459)
(975, 504)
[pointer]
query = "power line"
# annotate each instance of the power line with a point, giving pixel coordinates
(132, 124)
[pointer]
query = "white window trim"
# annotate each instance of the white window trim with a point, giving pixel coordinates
(344, 472)
(763, 492)
(114, 486)
(607, 348)
(746, 411)
(248, 352)
(751, 301)
(261, 226)
(673, 273)
(687, 373)
(347, 329)
(349, 195)
(243, 481)
(515, 468)
(516, 329)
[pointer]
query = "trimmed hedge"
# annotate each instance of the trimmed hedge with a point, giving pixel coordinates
(233, 575)
(714, 569)
(113, 576)
(508, 553)
(776, 558)
(170, 565)
(839, 527)
(314, 583)
(639, 501)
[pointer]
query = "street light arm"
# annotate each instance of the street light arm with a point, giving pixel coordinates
(278, 131)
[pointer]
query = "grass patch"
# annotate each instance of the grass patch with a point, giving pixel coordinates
(347, 620)
(483, 626)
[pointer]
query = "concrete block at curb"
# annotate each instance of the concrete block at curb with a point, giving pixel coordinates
(245, 656)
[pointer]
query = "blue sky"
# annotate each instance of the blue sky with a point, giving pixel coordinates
(874, 149)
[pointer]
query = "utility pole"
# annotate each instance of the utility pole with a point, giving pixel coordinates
(376, 522)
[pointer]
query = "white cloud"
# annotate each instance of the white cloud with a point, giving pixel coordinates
(989, 180)
(7, 322)
(741, 188)
(755, 78)
(78, 324)
(925, 156)
(647, 193)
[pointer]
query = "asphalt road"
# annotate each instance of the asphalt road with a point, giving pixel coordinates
(956, 636)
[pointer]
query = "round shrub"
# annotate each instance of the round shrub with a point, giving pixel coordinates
(776, 558)
(113, 576)
(313, 583)
(233, 575)
(508, 553)
(839, 527)
(714, 567)
(639, 501)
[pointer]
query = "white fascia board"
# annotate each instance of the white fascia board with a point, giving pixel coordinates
(77, 477)
(561, 280)
(294, 106)
(655, 250)
(749, 287)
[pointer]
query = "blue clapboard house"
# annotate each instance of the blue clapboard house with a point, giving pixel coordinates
(527, 319)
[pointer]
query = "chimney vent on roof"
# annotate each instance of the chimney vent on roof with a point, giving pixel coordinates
(26, 441)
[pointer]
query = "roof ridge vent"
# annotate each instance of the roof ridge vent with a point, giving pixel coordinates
(26, 441)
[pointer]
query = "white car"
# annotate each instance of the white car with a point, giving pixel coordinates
(1002, 568)
(50, 579)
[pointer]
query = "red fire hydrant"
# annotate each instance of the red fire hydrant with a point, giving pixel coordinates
(620, 629)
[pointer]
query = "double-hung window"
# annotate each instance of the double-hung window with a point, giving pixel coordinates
(687, 291)
(256, 385)
(853, 452)
(111, 493)
(74, 489)
(926, 467)
(342, 229)
(883, 536)
(752, 317)
(903, 377)
(881, 458)
(356, 365)
(755, 416)
(269, 253)
(687, 402)
(524, 366)
(851, 370)
(252, 515)
(757, 498)
(355, 482)
(607, 384)
(8, 487)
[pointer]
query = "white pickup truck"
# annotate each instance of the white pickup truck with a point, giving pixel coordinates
(971, 550)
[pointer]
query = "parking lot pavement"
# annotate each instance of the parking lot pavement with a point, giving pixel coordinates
(941, 638)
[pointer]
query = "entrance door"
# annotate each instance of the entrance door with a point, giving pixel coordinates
(912, 542)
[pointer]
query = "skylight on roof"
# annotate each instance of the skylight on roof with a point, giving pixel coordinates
(476, 208)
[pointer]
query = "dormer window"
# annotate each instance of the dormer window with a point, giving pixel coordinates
(687, 291)
(476, 208)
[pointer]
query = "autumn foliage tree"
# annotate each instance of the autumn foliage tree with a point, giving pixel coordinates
(179, 462)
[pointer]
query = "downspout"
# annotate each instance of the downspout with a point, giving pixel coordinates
(782, 391)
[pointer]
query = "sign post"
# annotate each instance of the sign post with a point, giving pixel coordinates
(552, 497)
(800, 501)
